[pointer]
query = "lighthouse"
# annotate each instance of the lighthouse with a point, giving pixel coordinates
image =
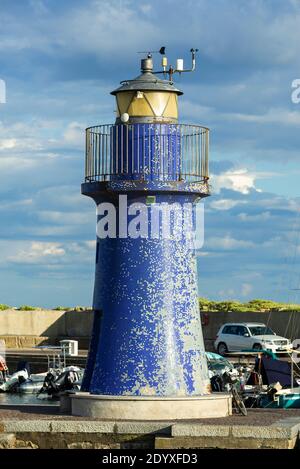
(147, 173)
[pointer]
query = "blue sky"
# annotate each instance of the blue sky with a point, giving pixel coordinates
(60, 60)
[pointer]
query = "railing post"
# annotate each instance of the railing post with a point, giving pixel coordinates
(86, 154)
(207, 154)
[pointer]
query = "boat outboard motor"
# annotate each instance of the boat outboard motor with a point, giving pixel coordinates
(216, 383)
(54, 384)
(48, 384)
(23, 365)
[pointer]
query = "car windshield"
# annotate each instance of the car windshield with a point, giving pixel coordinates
(261, 330)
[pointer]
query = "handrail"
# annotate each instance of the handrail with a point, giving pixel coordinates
(162, 152)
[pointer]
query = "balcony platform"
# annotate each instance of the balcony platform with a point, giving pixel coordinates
(147, 152)
(91, 188)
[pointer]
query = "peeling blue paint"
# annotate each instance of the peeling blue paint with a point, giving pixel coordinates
(150, 341)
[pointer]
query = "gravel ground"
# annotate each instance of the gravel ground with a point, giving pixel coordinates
(255, 417)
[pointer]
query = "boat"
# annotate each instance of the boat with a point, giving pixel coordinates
(282, 399)
(59, 381)
(52, 382)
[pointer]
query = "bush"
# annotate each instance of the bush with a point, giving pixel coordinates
(75, 308)
(252, 306)
(227, 306)
(27, 308)
(263, 305)
(3, 307)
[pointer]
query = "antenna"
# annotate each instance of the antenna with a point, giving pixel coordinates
(161, 51)
(179, 64)
(164, 63)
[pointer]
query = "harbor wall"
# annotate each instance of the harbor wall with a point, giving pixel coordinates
(21, 329)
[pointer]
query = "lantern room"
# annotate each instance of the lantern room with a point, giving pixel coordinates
(147, 98)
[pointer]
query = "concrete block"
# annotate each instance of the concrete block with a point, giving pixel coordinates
(81, 426)
(116, 428)
(140, 428)
(223, 443)
(290, 424)
(151, 408)
(276, 430)
(21, 426)
(194, 429)
(65, 406)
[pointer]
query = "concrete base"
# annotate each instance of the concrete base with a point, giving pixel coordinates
(150, 408)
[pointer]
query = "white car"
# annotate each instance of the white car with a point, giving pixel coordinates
(233, 337)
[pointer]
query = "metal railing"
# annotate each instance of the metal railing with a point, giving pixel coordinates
(161, 152)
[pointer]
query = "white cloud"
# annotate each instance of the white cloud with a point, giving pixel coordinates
(240, 180)
(246, 289)
(225, 204)
(19, 204)
(279, 203)
(74, 134)
(14, 164)
(145, 8)
(91, 244)
(14, 44)
(38, 6)
(64, 196)
(272, 116)
(195, 110)
(65, 218)
(109, 26)
(48, 255)
(227, 293)
(227, 243)
(254, 218)
(8, 143)
(38, 252)
(264, 37)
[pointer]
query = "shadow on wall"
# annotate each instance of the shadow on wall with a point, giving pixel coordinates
(72, 324)
(41, 327)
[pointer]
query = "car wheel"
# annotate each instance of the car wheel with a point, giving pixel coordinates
(222, 348)
(257, 347)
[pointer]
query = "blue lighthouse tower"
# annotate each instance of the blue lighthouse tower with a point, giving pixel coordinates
(146, 173)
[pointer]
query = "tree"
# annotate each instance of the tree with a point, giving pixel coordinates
(263, 305)
(227, 306)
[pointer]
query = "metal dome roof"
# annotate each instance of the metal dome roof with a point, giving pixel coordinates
(147, 81)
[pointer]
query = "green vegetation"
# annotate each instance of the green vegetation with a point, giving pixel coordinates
(27, 308)
(204, 303)
(75, 308)
(252, 306)
(3, 307)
